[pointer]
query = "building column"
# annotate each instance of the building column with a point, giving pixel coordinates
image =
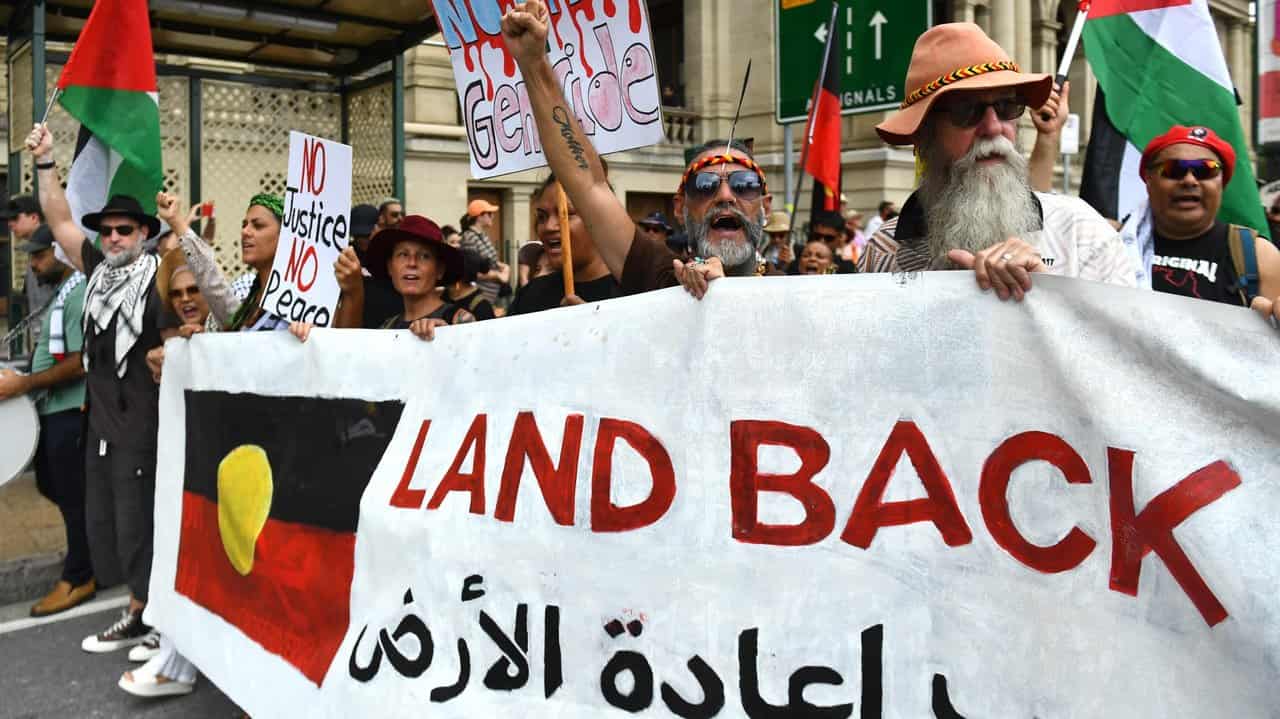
(1004, 24)
(708, 87)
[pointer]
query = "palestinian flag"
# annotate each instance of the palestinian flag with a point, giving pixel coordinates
(1159, 64)
(270, 506)
(109, 85)
(823, 136)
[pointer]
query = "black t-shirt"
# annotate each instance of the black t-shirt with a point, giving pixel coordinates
(380, 302)
(546, 293)
(123, 411)
(1199, 267)
(473, 302)
(450, 313)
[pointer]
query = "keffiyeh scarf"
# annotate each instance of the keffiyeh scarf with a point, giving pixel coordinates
(122, 292)
(57, 333)
(1139, 238)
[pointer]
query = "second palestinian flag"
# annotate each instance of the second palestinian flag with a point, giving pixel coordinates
(269, 512)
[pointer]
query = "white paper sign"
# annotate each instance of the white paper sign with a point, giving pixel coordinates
(946, 506)
(315, 229)
(1268, 69)
(601, 51)
(1070, 141)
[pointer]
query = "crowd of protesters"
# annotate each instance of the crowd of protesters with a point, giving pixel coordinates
(980, 206)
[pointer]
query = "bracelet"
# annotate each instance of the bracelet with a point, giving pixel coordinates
(46, 165)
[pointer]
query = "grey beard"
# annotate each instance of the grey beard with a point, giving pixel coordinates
(738, 258)
(972, 207)
(124, 257)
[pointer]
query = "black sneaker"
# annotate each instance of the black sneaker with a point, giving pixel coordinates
(126, 632)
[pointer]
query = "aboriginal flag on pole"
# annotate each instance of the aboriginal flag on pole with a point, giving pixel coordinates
(269, 511)
(109, 85)
(823, 137)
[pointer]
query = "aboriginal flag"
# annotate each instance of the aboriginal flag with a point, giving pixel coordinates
(823, 138)
(270, 506)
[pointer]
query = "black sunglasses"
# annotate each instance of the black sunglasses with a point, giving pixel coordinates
(744, 184)
(1177, 169)
(967, 113)
(122, 230)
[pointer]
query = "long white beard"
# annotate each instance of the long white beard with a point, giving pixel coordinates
(972, 207)
(738, 258)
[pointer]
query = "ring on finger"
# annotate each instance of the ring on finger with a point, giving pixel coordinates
(1006, 256)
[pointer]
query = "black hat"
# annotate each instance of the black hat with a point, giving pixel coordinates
(40, 240)
(21, 204)
(126, 206)
(657, 219)
(413, 228)
(363, 219)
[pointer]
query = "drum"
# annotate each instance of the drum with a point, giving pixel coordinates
(19, 433)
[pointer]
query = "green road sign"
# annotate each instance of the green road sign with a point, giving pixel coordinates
(873, 40)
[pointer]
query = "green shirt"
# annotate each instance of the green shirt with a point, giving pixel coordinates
(70, 395)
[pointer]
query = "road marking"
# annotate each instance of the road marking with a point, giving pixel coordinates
(97, 605)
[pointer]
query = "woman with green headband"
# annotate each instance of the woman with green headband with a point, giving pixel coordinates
(259, 236)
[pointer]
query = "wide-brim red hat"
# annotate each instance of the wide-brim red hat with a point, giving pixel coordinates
(957, 56)
(413, 228)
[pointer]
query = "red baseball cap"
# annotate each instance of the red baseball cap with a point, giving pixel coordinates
(1197, 135)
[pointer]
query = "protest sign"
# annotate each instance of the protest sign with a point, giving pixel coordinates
(950, 506)
(313, 232)
(602, 53)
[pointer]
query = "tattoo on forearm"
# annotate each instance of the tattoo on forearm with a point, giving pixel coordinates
(561, 117)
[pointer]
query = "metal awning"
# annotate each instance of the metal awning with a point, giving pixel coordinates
(339, 38)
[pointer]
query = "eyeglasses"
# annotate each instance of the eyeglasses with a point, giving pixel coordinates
(1203, 169)
(968, 113)
(122, 230)
(744, 184)
(689, 179)
(824, 237)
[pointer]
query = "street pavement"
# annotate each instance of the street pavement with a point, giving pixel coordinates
(44, 673)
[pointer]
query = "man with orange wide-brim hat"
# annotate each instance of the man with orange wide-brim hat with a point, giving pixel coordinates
(974, 208)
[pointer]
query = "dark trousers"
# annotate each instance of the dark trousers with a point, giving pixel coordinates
(60, 478)
(120, 494)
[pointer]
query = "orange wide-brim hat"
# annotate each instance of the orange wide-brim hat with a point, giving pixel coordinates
(957, 56)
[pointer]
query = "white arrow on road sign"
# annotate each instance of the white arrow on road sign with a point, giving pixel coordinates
(877, 21)
(821, 34)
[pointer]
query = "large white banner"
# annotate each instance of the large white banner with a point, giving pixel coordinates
(602, 53)
(843, 496)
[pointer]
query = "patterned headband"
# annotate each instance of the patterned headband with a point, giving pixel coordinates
(956, 76)
(270, 203)
(725, 159)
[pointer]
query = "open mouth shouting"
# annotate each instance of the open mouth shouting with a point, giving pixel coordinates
(189, 312)
(724, 225)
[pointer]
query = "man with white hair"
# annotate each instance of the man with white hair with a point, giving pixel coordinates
(974, 208)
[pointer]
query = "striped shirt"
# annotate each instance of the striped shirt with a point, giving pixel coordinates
(1076, 242)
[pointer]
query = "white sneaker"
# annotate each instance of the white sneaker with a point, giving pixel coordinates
(126, 632)
(149, 647)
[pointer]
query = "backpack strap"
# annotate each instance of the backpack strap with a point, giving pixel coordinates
(1244, 255)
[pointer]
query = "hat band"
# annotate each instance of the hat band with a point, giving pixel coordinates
(725, 159)
(956, 76)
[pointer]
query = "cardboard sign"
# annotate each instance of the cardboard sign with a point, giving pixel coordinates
(953, 506)
(314, 231)
(601, 51)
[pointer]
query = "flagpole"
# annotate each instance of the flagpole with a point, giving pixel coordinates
(813, 111)
(52, 99)
(1073, 40)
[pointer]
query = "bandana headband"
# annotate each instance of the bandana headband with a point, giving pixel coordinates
(725, 159)
(270, 203)
(956, 76)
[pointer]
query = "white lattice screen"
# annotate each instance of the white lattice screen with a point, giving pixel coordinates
(372, 155)
(245, 148)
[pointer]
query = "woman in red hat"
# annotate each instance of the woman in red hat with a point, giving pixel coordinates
(419, 264)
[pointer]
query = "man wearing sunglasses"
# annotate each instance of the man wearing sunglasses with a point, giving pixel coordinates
(975, 208)
(123, 318)
(1186, 250)
(722, 199)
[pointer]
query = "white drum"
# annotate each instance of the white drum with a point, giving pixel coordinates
(19, 433)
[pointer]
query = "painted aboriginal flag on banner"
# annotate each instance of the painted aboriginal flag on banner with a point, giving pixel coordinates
(1159, 63)
(109, 85)
(269, 511)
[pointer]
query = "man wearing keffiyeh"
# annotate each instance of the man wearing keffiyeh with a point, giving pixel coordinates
(56, 383)
(123, 315)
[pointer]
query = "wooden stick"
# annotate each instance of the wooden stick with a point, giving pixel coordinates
(566, 245)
